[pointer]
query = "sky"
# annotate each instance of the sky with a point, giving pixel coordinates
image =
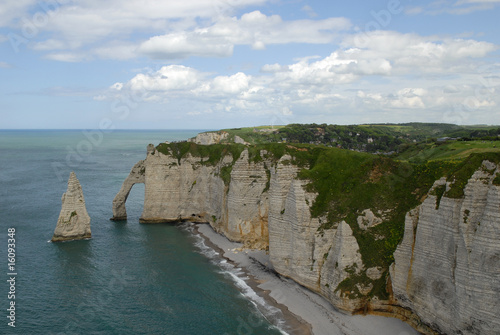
(213, 64)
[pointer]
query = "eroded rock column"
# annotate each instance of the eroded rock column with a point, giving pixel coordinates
(74, 221)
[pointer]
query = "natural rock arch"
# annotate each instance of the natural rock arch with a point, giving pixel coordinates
(136, 176)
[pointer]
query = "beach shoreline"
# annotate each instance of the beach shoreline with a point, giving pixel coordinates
(304, 311)
(255, 271)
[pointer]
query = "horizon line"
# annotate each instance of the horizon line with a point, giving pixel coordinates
(214, 129)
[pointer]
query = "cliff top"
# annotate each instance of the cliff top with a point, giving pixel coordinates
(410, 140)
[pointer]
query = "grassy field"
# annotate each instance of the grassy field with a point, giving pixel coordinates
(374, 138)
(255, 135)
(450, 150)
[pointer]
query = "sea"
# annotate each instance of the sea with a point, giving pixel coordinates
(129, 278)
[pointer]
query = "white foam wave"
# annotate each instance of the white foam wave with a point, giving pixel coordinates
(272, 314)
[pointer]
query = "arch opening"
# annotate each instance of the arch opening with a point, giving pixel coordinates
(136, 176)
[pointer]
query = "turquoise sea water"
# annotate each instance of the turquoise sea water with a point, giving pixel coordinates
(130, 278)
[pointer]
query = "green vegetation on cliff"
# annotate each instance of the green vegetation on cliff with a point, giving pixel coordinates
(445, 150)
(210, 154)
(381, 138)
(496, 181)
(465, 169)
(349, 182)
(346, 183)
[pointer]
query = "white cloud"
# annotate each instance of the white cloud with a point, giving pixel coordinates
(408, 98)
(188, 82)
(330, 70)
(177, 9)
(182, 45)
(170, 29)
(436, 99)
(256, 26)
(168, 78)
(406, 74)
(117, 86)
(80, 24)
(254, 29)
(65, 57)
(341, 67)
(412, 53)
(11, 10)
(93, 20)
(231, 84)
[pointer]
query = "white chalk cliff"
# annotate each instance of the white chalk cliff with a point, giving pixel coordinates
(447, 269)
(210, 137)
(74, 221)
(446, 274)
(216, 137)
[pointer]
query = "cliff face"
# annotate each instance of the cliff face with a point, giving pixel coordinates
(189, 189)
(446, 269)
(316, 259)
(74, 221)
(217, 137)
(210, 137)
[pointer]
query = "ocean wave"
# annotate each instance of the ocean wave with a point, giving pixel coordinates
(239, 277)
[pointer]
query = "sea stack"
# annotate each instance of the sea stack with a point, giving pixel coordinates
(74, 221)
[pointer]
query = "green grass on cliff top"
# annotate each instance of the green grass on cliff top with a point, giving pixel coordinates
(448, 150)
(256, 135)
(382, 133)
